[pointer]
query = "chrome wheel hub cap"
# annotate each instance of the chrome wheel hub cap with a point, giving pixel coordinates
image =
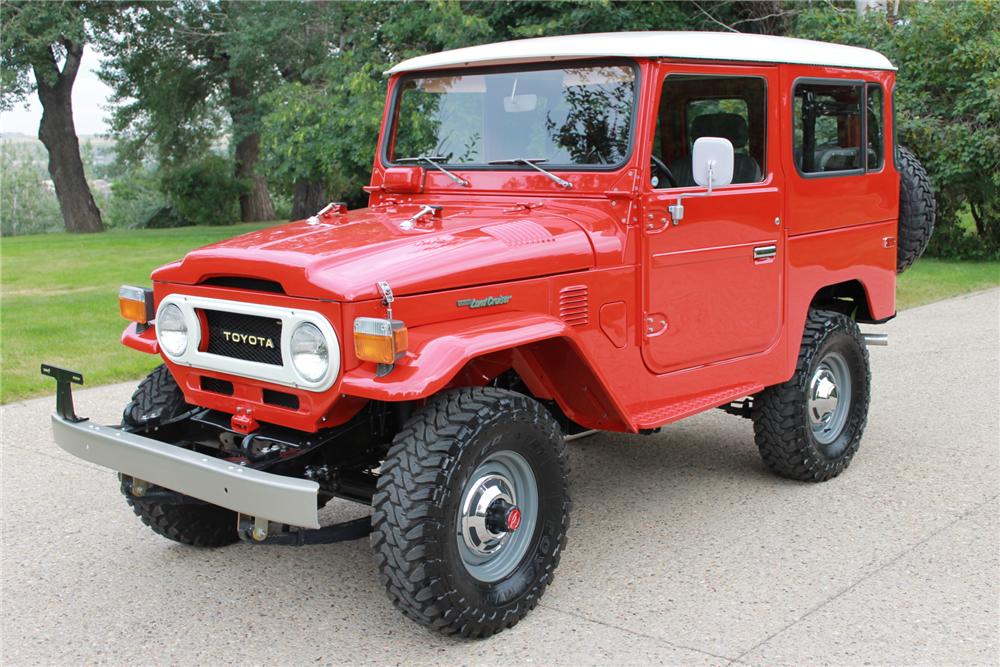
(497, 516)
(480, 535)
(828, 398)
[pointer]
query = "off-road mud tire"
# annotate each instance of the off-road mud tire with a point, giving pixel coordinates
(155, 400)
(917, 210)
(417, 504)
(180, 518)
(781, 422)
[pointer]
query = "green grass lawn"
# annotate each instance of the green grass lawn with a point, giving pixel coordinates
(60, 299)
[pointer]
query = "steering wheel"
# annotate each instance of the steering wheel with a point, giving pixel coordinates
(664, 169)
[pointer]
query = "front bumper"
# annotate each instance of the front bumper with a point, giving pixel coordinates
(252, 492)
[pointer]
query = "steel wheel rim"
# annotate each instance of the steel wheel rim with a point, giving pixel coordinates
(828, 398)
(486, 555)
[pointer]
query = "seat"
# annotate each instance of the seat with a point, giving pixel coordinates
(728, 126)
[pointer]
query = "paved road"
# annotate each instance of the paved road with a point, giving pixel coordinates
(683, 549)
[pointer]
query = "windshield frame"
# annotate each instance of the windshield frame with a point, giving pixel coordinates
(392, 117)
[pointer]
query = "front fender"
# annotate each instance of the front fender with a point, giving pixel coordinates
(439, 351)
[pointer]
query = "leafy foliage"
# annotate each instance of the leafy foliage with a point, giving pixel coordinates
(27, 204)
(203, 192)
(948, 105)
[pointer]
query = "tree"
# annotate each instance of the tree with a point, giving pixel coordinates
(183, 73)
(43, 45)
(320, 128)
(947, 103)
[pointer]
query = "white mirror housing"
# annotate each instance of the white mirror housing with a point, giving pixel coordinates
(712, 162)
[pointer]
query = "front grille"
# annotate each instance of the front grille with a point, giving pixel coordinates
(242, 336)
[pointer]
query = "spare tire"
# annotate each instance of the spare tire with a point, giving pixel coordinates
(917, 209)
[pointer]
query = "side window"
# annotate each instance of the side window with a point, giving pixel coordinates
(827, 127)
(694, 106)
(876, 111)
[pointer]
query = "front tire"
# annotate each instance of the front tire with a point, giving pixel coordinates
(158, 400)
(471, 511)
(810, 427)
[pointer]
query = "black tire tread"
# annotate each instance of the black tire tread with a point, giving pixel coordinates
(409, 486)
(195, 524)
(156, 399)
(780, 424)
(917, 210)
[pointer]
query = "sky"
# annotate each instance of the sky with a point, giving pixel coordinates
(90, 96)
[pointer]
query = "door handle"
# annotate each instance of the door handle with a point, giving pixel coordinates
(763, 252)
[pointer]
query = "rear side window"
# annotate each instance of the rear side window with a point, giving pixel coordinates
(827, 126)
(832, 136)
(876, 135)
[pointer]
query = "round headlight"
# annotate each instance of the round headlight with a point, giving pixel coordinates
(172, 330)
(310, 354)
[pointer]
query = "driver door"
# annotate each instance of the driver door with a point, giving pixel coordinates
(712, 281)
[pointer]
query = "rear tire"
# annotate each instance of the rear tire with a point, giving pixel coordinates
(175, 516)
(439, 566)
(810, 427)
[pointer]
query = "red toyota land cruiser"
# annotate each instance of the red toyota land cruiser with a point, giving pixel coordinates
(564, 235)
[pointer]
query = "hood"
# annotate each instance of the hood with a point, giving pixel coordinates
(341, 257)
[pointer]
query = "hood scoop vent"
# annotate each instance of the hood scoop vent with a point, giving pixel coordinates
(574, 305)
(519, 233)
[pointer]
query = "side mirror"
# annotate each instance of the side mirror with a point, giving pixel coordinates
(711, 165)
(712, 162)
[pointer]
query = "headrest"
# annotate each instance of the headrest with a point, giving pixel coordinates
(726, 125)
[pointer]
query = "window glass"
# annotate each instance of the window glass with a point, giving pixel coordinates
(876, 149)
(827, 127)
(693, 106)
(559, 116)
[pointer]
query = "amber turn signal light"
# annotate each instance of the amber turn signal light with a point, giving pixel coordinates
(379, 340)
(136, 303)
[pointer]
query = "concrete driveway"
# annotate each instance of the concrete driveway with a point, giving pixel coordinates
(683, 548)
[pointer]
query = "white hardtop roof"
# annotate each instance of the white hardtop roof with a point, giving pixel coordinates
(734, 46)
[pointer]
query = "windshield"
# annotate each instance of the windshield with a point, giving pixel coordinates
(559, 117)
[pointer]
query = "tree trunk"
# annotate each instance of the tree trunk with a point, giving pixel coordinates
(255, 204)
(58, 133)
(308, 197)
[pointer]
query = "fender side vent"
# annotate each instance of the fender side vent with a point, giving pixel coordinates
(574, 305)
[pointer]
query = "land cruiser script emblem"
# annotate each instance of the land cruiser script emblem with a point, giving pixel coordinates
(246, 339)
(485, 302)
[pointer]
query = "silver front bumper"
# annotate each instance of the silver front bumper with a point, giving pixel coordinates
(252, 492)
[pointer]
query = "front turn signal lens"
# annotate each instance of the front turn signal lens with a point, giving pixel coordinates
(379, 340)
(136, 303)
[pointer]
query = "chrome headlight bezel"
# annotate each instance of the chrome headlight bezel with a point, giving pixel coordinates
(309, 347)
(172, 331)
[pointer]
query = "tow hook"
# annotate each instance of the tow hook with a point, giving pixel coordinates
(257, 530)
(138, 487)
(875, 339)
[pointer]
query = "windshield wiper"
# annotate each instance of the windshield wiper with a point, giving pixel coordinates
(533, 163)
(431, 160)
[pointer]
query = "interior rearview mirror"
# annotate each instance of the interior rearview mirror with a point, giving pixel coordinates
(712, 162)
(520, 103)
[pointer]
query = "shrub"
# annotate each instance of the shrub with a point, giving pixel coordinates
(203, 192)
